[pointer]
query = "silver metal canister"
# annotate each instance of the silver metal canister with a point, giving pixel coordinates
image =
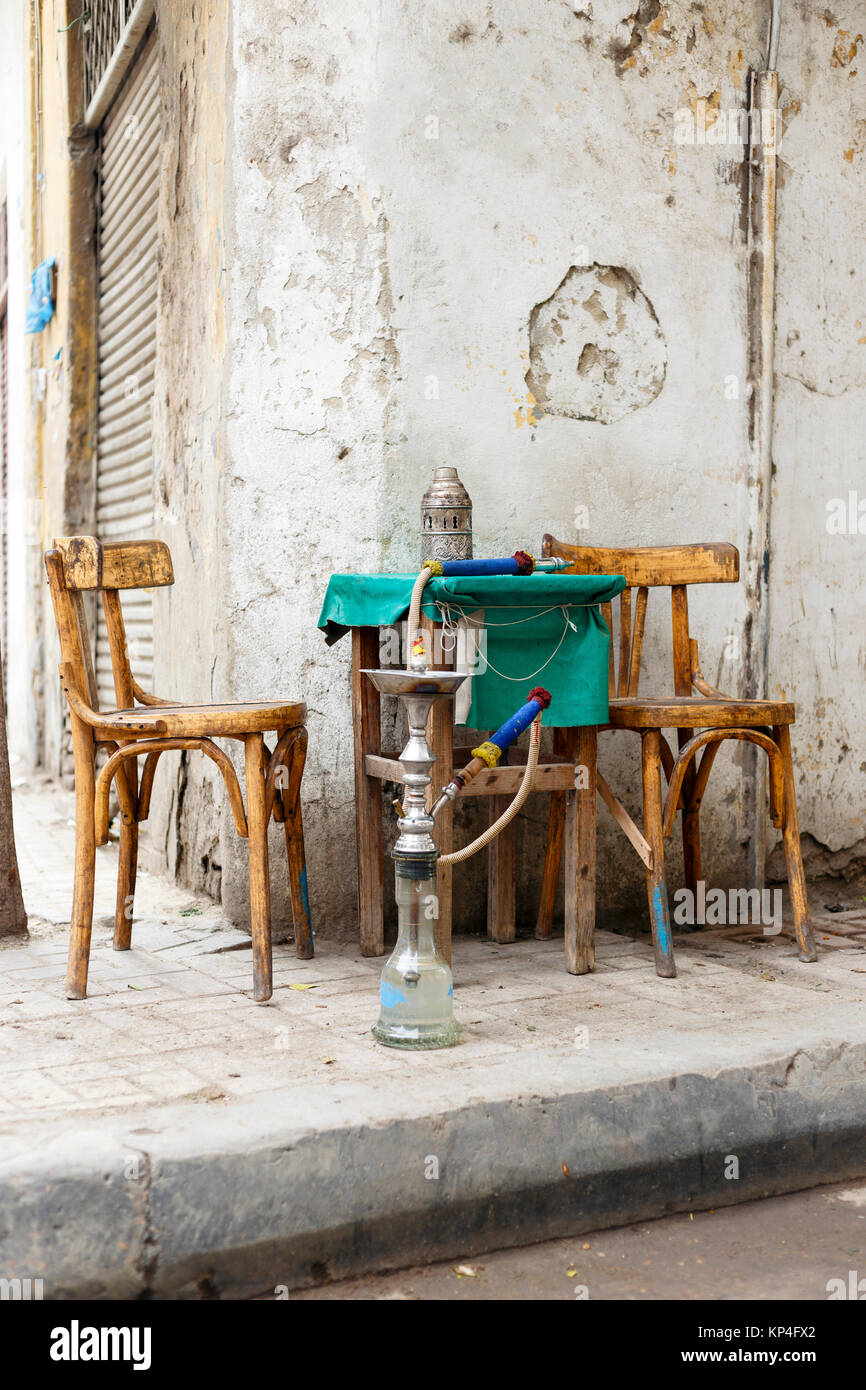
(446, 518)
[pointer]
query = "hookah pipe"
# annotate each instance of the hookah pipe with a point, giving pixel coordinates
(489, 752)
(416, 986)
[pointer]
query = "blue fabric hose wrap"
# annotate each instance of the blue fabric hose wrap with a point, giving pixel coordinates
(513, 727)
(471, 567)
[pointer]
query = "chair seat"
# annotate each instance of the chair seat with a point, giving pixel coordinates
(697, 712)
(204, 721)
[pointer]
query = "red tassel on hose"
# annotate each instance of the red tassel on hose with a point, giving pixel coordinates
(543, 696)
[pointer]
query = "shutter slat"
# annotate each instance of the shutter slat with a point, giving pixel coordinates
(135, 339)
(130, 231)
(139, 80)
(131, 290)
(119, 144)
(128, 273)
(130, 311)
(140, 180)
(140, 171)
(120, 370)
(127, 430)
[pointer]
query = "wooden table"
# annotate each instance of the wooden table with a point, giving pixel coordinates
(571, 779)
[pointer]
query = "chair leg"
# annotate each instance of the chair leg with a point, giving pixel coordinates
(553, 851)
(502, 876)
(260, 892)
(691, 826)
(366, 717)
(552, 864)
(692, 859)
(128, 857)
(657, 892)
(580, 856)
(126, 871)
(85, 862)
(294, 827)
(793, 853)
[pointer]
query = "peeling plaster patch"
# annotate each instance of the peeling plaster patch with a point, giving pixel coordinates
(466, 32)
(793, 106)
(288, 145)
(859, 143)
(736, 61)
(819, 860)
(336, 220)
(705, 109)
(596, 351)
(647, 18)
(845, 48)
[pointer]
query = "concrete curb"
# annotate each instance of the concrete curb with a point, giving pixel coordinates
(240, 1199)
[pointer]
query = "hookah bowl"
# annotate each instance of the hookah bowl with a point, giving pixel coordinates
(416, 990)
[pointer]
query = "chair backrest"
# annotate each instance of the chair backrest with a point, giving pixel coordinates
(645, 568)
(80, 564)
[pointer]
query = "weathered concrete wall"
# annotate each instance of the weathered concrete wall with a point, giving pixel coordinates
(190, 485)
(818, 652)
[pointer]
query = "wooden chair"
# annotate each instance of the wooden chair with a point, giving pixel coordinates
(80, 564)
(703, 721)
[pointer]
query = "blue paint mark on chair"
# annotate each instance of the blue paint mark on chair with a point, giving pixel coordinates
(304, 891)
(660, 919)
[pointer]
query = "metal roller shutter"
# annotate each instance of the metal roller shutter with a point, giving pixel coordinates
(129, 184)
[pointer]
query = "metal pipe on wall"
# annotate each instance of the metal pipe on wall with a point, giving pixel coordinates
(763, 149)
(775, 29)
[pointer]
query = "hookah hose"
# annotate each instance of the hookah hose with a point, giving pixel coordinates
(521, 562)
(417, 650)
(488, 755)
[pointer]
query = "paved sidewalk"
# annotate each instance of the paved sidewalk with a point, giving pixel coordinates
(167, 1130)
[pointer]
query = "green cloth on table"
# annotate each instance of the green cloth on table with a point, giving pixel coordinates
(541, 629)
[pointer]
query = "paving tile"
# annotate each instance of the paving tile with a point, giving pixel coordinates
(57, 1042)
(97, 1083)
(34, 1003)
(141, 1027)
(164, 1078)
(33, 1090)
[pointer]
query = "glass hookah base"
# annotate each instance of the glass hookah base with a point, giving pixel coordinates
(398, 1035)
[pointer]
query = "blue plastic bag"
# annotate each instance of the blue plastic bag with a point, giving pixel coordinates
(40, 305)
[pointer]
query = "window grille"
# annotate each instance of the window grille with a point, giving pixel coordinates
(103, 27)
